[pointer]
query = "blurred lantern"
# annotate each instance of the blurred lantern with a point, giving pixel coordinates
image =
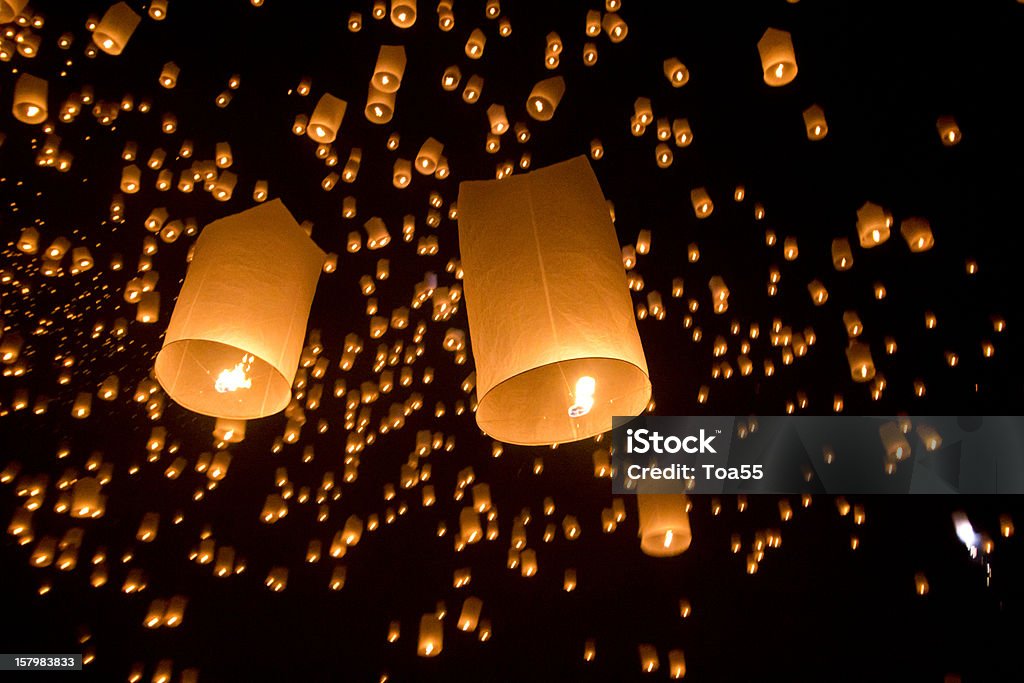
(475, 44)
(428, 156)
(403, 13)
(30, 95)
(842, 256)
(778, 61)
(918, 234)
(169, 75)
(389, 69)
(325, 121)
(234, 339)
(557, 349)
(544, 98)
(949, 132)
(380, 106)
(814, 122)
(615, 27)
(676, 73)
(431, 635)
(664, 524)
(158, 10)
(702, 204)
(115, 28)
(873, 223)
(862, 367)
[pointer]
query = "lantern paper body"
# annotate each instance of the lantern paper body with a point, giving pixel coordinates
(30, 99)
(241, 315)
(9, 9)
(664, 524)
(390, 67)
(326, 118)
(544, 98)
(778, 60)
(548, 306)
(115, 28)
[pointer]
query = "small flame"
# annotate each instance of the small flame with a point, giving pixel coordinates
(668, 538)
(235, 378)
(585, 387)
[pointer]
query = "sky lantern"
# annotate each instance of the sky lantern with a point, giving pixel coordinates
(30, 94)
(814, 122)
(949, 131)
(550, 318)
(115, 28)
(326, 118)
(403, 13)
(389, 69)
(918, 234)
(778, 60)
(544, 98)
(664, 524)
(873, 223)
(233, 343)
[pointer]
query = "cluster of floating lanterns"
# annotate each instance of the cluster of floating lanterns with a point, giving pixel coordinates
(550, 367)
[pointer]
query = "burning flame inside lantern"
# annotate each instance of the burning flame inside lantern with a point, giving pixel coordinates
(237, 377)
(585, 387)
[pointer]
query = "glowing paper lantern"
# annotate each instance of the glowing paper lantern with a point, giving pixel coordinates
(326, 118)
(431, 636)
(236, 334)
(778, 61)
(918, 234)
(814, 122)
(873, 223)
(862, 367)
(544, 98)
(380, 106)
(30, 99)
(403, 13)
(556, 345)
(676, 72)
(949, 131)
(390, 67)
(664, 524)
(842, 255)
(701, 201)
(115, 28)
(428, 156)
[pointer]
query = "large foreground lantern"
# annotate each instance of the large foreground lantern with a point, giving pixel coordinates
(550, 316)
(235, 337)
(30, 95)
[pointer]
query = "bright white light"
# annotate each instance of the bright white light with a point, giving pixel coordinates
(585, 387)
(235, 378)
(965, 532)
(668, 538)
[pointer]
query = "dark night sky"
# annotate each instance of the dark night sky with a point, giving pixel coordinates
(816, 610)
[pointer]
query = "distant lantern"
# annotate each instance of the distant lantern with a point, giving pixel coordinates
(615, 26)
(918, 234)
(814, 122)
(169, 75)
(497, 119)
(377, 235)
(325, 121)
(403, 13)
(681, 132)
(949, 131)
(842, 255)
(234, 339)
(390, 67)
(475, 44)
(30, 93)
(556, 345)
(431, 635)
(778, 61)
(450, 78)
(130, 179)
(380, 106)
(862, 367)
(702, 204)
(544, 98)
(873, 223)
(401, 174)
(229, 430)
(663, 155)
(664, 524)
(158, 10)
(428, 156)
(115, 28)
(676, 72)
